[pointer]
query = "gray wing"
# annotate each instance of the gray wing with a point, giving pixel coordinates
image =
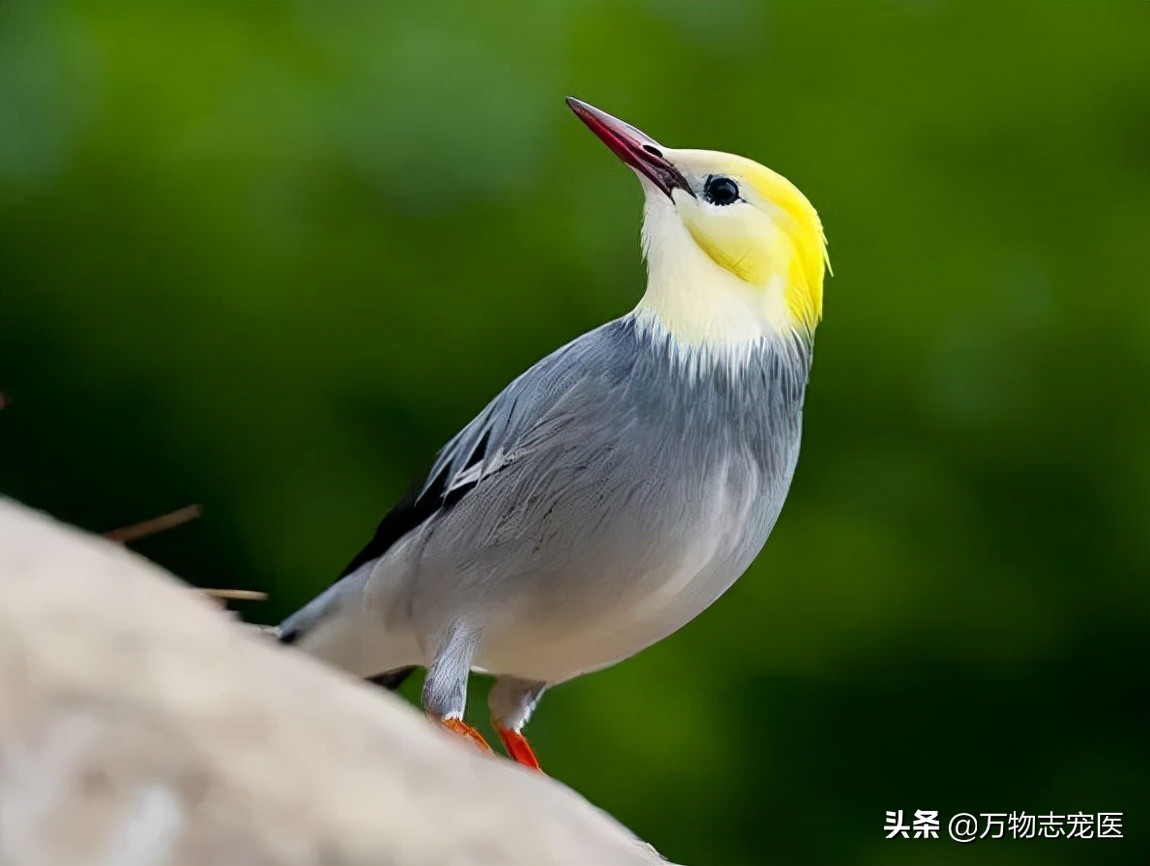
(513, 425)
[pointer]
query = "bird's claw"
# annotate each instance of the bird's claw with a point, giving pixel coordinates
(518, 748)
(460, 727)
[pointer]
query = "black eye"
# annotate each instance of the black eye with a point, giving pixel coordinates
(721, 190)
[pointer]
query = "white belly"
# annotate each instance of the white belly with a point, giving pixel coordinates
(695, 570)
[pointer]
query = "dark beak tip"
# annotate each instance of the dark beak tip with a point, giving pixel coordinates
(632, 146)
(581, 109)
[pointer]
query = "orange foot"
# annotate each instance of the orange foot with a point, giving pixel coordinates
(460, 727)
(518, 748)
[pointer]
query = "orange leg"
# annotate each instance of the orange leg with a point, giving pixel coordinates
(518, 748)
(460, 727)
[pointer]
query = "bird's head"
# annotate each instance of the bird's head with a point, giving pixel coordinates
(734, 250)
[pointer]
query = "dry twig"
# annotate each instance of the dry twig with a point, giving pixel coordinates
(145, 528)
(171, 520)
(236, 594)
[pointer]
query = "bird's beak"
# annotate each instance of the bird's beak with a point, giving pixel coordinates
(635, 148)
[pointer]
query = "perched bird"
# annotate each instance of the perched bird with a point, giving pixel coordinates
(618, 487)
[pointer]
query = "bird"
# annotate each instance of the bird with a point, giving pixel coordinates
(614, 490)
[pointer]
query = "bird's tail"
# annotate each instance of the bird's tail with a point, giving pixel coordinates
(331, 628)
(391, 680)
(308, 617)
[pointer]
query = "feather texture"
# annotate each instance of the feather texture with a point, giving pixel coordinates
(604, 498)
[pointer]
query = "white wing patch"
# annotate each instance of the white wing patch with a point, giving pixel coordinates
(477, 471)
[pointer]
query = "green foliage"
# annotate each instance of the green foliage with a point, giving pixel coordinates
(268, 257)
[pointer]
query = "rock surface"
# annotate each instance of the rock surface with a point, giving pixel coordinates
(139, 726)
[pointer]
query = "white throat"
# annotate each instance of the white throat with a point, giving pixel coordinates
(699, 302)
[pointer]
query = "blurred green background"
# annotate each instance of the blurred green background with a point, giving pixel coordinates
(268, 257)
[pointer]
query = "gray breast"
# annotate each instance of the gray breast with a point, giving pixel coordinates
(614, 481)
(708, 408)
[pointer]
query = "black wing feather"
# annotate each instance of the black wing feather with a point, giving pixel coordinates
(604, 355)
(417, 506)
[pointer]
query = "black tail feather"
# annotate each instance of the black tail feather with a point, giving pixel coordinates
(391, 680)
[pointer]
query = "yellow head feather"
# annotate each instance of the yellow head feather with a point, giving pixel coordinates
(734, 251)
(771, 237)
